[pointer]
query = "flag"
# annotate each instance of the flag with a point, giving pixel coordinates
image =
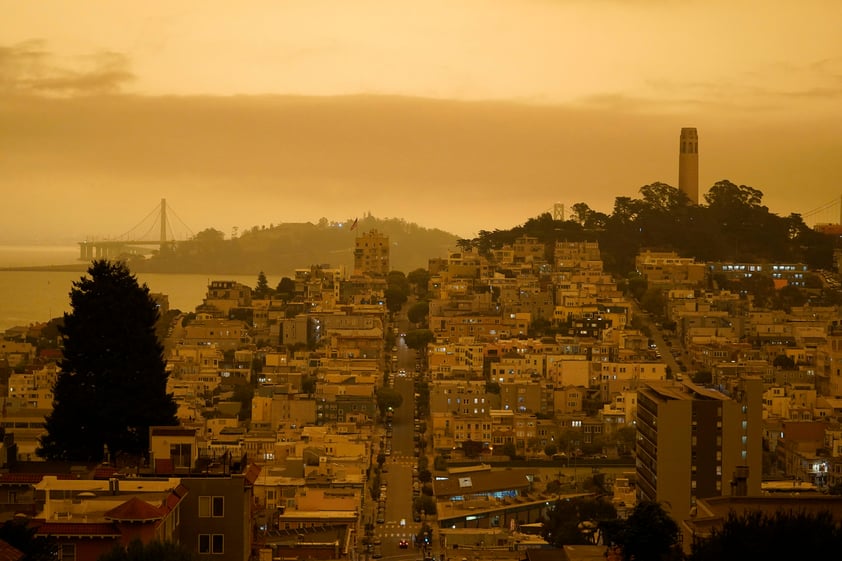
(354, 225)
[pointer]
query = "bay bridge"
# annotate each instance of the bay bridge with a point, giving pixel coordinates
(156, 232)
(828, 213)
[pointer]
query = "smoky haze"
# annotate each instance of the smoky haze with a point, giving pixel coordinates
(81, 159)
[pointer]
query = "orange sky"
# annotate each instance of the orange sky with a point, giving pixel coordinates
(501, 108)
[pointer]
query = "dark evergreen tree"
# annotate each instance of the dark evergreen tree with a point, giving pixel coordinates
(648, 533)
(113, 380)
(262, 289)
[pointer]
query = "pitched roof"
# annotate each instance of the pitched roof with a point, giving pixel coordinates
(134, 510)
(174, 498)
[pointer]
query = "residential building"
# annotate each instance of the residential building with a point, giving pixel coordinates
(87, 518)
(371, 254)
(217, 516)
(223, 295)
(692, 441)
(667, 269)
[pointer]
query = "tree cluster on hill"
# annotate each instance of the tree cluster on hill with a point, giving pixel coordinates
(732, 226)
(280, 248)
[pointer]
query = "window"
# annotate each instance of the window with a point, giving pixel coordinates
(212, 543)
(181, 455)
(211, 507)
(67, 552)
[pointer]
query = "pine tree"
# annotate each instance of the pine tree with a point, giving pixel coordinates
(112, 385)
(262, 290)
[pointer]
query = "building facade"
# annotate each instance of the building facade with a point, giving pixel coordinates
(371, 254)
(695, 442)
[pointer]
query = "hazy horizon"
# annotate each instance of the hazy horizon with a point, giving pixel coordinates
(458, 115)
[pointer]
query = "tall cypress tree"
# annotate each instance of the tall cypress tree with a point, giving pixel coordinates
(113, 380)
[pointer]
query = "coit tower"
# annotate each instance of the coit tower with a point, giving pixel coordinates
(688, 164)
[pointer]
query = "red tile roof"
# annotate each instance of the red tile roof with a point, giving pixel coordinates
(20, 478)
(134, 510)
(28, 478)
(78, 529)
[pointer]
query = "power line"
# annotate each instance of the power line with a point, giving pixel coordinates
(822, 208)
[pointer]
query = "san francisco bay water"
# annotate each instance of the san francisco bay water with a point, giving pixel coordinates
(33, 296)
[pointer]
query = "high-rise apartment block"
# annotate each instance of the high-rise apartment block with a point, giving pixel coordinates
(695, 442)
(688, 164)
(371, 254)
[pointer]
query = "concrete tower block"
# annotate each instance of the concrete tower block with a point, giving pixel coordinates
(688, 163)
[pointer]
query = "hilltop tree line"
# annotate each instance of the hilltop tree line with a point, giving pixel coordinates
(280, 248)
(733, 225)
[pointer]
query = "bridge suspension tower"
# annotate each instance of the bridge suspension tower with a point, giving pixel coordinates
(141, 239)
